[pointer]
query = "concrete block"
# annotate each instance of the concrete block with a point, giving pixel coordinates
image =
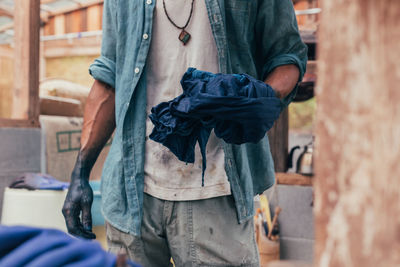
(296, 219)
(297, 249)
(20, 152)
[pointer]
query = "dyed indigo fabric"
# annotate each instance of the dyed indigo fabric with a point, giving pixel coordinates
(41, 181)
(240, 109)
(26, 246)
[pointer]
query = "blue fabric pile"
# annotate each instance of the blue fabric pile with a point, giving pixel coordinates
(38, 181)
(30, 247)
(240, 109)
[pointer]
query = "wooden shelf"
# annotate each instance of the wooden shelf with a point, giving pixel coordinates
(294, 179)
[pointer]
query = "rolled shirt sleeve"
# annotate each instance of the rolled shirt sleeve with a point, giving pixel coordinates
(103, 68)
(281, 44)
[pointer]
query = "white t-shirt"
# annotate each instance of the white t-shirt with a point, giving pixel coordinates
(165, 176)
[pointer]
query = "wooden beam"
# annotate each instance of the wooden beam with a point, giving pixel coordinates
(60, 106)
(15, 123)
(5, 13)
(286, 178)
(279, 141)
(357, 186)
(85, 46)
(94, 17)
(83, 20)
(6, 81)
(52, 52)
(6, 51)
(85, 4)
(49, 27)
(73, 21)
(44, 15)
(42, 59)
(6, 8)
(59, 24)
(26, 66)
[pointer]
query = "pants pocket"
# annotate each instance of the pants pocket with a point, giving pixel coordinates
(218, 239)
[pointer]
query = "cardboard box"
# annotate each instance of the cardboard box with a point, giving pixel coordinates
(60, 146)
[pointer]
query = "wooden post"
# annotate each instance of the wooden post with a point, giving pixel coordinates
(279, 141)
(26, 67)
(42, 59)
(357, 185)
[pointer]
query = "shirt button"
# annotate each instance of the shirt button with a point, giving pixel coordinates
(145, 36)
(137, 70)
(149, 2)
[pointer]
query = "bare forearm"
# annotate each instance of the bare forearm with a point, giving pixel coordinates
(283, 79)
(98, 123)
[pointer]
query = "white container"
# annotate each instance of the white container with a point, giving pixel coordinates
(38, 208)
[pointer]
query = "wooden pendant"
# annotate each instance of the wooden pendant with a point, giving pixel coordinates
(184, 37)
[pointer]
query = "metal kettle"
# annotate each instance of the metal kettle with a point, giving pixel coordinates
(305, 163)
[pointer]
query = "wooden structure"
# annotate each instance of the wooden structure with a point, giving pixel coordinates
(6, 80)
(310, 21)
(69, 28)
(294, 179)
(79, 18)
(25, 111)
(81, 46)
(26, 50)
(62, 22)
(279, 141)
(61, 16)
(358, 135)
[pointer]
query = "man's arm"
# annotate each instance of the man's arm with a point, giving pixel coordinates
(98, 126)
(282, 54)
(98, 120)
(283, 79)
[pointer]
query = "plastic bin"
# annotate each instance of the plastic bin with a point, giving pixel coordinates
(42, 208)
(39, 208)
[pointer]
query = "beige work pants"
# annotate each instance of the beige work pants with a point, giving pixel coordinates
(193, 233)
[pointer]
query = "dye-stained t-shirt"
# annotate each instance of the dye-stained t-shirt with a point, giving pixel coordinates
(165, 176)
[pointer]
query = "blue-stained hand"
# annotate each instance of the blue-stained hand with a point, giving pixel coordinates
(78, 204)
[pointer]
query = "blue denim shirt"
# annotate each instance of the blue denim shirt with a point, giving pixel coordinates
(251, 36)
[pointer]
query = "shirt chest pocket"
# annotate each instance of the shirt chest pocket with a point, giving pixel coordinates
(237, 20)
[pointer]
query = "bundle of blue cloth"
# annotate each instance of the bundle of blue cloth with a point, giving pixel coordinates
(31, 247)
(41, 181)
(240, 109)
